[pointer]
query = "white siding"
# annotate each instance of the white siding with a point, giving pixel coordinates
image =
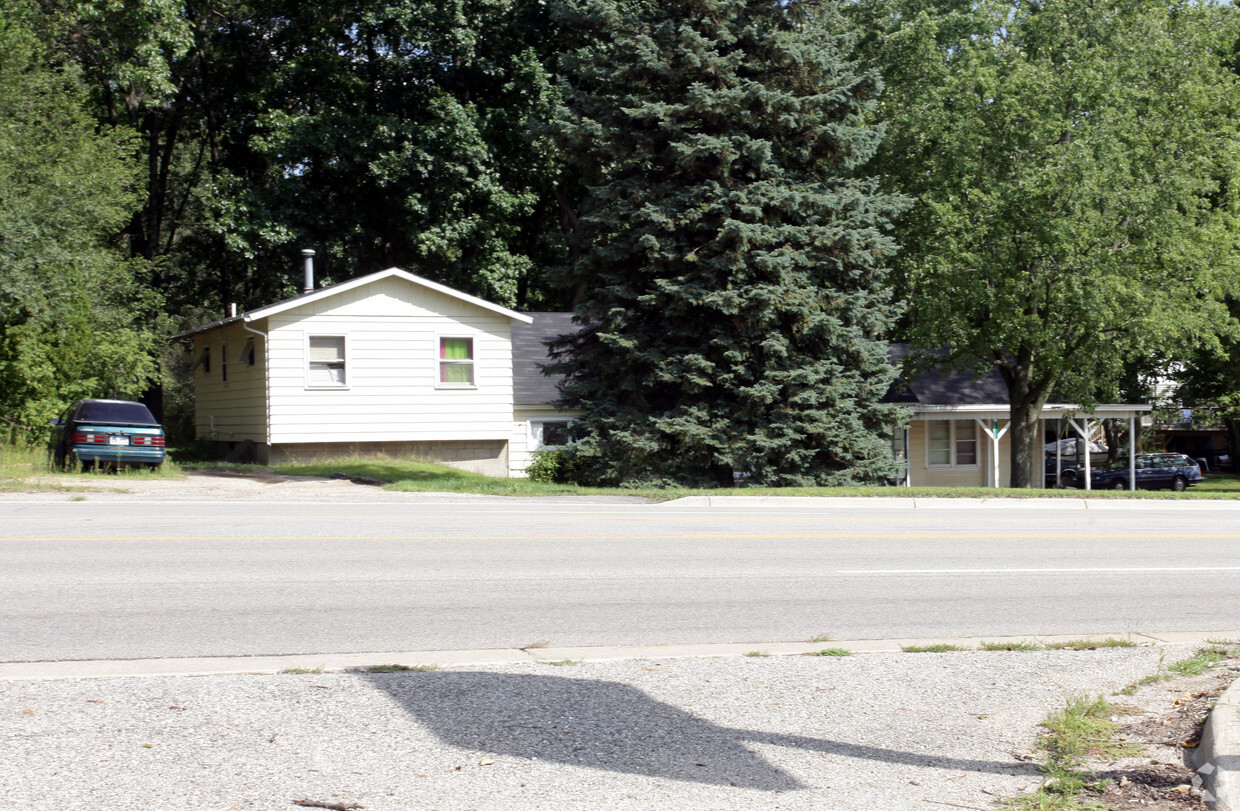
(391, 330)
(236, 409)
(520, 445)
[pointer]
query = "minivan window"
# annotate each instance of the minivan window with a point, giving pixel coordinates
(130, 413)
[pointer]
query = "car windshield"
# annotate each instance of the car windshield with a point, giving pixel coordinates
(132, 413)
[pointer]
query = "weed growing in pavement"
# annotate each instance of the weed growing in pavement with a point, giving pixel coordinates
(831, 652)
(1203, 660)
(301, 671)
(1091, 644)
(1021, 646)
(821, 638)
(757, 654)
(541, 643)
(1082, 730)
(942, 647)
(401, 668)
(562, 662)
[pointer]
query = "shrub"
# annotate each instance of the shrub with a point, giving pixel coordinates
(547, 466)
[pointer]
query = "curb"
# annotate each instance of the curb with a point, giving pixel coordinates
(1080, 502)
(238, 665)
(1217, 758)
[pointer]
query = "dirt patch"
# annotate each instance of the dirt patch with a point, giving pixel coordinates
(1165, 718)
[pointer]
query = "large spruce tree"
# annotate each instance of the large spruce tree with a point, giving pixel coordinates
(730, 274)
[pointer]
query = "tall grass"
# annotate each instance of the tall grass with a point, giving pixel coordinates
(28, 467)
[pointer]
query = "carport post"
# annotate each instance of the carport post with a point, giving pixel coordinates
(1132, 452)
(993, 432)
(1088, 468)
(1085, 436)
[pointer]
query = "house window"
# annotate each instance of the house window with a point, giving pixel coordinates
(951, 443)
(204, 360)
(326, 363)
(224, 361)
(247, 353)
(550, 433)
(456, 362)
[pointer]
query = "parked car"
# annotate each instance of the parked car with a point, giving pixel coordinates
(1154, 472)
(1069, 472)
(107, 432)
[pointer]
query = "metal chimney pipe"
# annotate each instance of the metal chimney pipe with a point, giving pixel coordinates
(232, 310)
(308, 255)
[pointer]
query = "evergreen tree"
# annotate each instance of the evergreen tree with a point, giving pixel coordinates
(731, 277)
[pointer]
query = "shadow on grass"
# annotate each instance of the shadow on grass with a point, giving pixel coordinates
(613, 726)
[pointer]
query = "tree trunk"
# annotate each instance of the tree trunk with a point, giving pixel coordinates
(1026, 396)
(1025, 442)
(1233, 437)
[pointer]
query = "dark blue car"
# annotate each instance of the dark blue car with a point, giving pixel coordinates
(109, 433)
(1155, 471)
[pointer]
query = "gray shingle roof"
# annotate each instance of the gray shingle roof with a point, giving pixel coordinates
(529, 354)
(945, 387)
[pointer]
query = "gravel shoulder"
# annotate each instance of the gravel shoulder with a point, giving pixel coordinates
(871, 731)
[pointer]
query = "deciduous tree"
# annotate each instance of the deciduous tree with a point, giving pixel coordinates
(1074, 169)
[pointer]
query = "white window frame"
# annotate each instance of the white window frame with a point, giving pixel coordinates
(953, 425)
(345, 364)
(472, 362)
(536, 432)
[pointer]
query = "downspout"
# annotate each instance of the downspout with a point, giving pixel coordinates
(245, 324)
(908, 460)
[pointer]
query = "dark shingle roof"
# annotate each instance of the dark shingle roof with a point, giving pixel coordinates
(529, 354)
(939, 386)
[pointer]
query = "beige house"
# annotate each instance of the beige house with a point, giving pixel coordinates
(389, 362)
(958, 435)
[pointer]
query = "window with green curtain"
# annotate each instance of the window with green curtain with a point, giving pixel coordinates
(456, 361)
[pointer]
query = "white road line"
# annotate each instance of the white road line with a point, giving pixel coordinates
(1046, 570)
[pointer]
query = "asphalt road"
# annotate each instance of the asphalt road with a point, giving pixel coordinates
(124, 579)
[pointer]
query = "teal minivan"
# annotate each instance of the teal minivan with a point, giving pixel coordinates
(107, 433)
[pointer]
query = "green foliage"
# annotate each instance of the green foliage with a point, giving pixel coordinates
(1074, 168)
(733, 295)
(1091, 644)
(71, 307)
(551, 466)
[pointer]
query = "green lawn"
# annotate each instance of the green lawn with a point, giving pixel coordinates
(20, 466)
(416, 476)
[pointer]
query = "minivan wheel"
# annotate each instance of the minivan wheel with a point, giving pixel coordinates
(1119, 484)
(1179, 484)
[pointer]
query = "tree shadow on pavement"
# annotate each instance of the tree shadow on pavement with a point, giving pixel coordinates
(616, 727)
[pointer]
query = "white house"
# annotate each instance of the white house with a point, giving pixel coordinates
(389, 362)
